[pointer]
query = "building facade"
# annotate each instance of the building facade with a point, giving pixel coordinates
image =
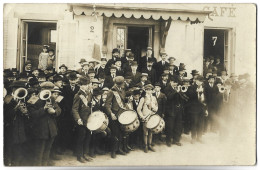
(189, 32)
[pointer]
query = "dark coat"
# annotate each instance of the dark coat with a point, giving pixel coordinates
(151, 75)
(143, 63)
(193, 105)
(161, 100)
(163, 85)
(108, 82)
(108, 65)
(174, 104)
(14, 123)
(111, 104)
(68, 97)
(135, 78)
(44, 125)
(79, 109)
(99, 71)
(160, 68)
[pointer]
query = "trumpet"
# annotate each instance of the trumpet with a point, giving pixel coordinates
(20, 94)
(183, 88)
(46, 95)
(221, 89)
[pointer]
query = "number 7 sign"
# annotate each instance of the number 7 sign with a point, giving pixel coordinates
(214, 38)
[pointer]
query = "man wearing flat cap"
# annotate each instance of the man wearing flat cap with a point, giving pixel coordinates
(143, 60)
(115, 105)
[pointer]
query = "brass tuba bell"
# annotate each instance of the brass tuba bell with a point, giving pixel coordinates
(45, 95)
(20, 93)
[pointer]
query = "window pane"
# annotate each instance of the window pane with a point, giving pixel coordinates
(120, 38)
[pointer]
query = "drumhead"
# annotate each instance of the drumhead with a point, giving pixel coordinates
(95, 120)
(153, 121)
(127, 117)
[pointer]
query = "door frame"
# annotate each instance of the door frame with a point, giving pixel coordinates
(21, 58)
(119, 25)
(229, 60)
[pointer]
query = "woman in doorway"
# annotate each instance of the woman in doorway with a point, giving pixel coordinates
(43, 58)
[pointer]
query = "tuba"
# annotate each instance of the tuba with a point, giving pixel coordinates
(20, 94)
(46, 96)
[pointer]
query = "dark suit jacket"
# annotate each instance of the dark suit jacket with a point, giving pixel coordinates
(211, 94)
(174, 103)
(68, 97)
(163, 86)
(111, 104)
(194, 106)
(136, 78)
(161, 100)
(143, 63)
(151, 75)
(79, 109)
(99, 71)
(160, 68)
(108, 81)
(44, 125)
(108, 65)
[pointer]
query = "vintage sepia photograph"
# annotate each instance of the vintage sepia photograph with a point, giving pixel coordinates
(129, 84)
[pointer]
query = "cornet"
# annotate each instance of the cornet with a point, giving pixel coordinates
(20, 94)
(184, 88)
(46, 95)
(221, 89)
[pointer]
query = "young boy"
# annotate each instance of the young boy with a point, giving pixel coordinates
(147, 106)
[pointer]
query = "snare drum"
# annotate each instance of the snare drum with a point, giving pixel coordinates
(156, 124)
(97, 122)
(129, 121)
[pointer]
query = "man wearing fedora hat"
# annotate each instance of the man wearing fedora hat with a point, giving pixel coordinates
(115, 55)
(152, 75)
(101, 69)
(85, 69)
(109, 78)
(196, 108)
(81, 112)
(83, 60)
(194, 74)
(115, 105)
(136, 75)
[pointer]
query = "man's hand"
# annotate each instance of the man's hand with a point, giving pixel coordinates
(113, 116)
(80, 122)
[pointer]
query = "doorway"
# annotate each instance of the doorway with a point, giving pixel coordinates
(216, 45)
(34, 35)
(136, 38)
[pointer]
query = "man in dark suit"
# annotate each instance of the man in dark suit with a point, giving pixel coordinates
(119, 70)
(81, 64)
(109, 78)
(150, 71)
(194, 74)
(136, 75)
(211, 94)
(127, 65)
(101, 69)
(143, 60)
(173, 67)
(161, 65)
(196, 108)
(85, 69)
(174, 112)
(207, 66)
(164, 82)
(69, 92)
(114, 106)
(115, 55)
(81, 112)
(143, 81)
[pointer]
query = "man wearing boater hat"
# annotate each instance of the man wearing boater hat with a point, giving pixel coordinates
(114, 106)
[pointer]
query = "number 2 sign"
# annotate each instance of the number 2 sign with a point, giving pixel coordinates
(214, 39)
(92, 29)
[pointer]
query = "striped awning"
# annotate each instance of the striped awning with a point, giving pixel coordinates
(146, 13)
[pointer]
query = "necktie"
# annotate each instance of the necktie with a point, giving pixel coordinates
(157, 94)
(72, 88)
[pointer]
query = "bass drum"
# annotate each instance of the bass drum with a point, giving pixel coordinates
(129, 121)
(97, 122)
(156, 124)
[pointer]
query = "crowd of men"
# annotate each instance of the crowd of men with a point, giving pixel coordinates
(39, 126)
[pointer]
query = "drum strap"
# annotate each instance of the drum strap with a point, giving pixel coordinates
(119, 100)
(84, 99)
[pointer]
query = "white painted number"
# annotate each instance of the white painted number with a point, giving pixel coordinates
(214, 40)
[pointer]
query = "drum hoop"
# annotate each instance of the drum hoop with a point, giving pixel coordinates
(128, 123)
